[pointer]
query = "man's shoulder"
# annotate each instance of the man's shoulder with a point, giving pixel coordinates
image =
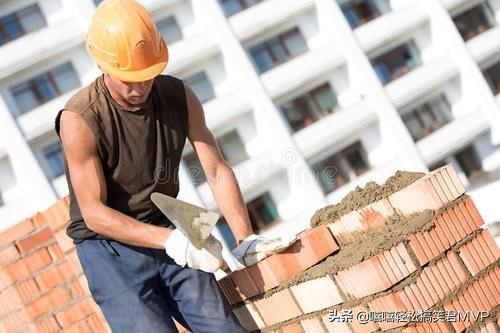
(168, 81)
(83, 99)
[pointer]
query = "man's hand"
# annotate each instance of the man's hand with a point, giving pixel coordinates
(255, 248)
(208, 259)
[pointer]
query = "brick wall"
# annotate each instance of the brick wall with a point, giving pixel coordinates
(448, 264)
(42, 286)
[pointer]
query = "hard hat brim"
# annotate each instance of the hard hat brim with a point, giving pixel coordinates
(142, 75)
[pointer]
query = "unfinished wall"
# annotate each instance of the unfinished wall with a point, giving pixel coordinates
(42, 286)
(420, 247)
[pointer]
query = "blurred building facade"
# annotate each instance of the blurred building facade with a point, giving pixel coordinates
(307, 98)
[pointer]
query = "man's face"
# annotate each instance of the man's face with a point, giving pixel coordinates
(134, 93)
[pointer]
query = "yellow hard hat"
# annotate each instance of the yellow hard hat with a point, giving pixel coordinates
(124, 41)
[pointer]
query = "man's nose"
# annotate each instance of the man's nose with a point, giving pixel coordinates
(140, 87)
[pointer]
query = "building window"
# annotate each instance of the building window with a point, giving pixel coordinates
(21, 23)
(45, 87)
(358, 12)
(53, 156)
(340, 168)
(397, 62)
(262, 212)
(469, 162)
(232, 7)
(232, 148)
(492, 75)
(475, 21)
(310, 107)
(226, 233)
(278, 50)
(428, 118)
(169, 29)
(201, 86)
(194, 169)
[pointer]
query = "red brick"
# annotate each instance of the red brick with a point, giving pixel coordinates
(444, 230)
(474, 213)
(16, 271)
(489, 246)
(19, 230)
(388, 267)
(55, 251)
(37, 260)
(9, 299)
(359, 324)
(368, 217)
(64, 241)
(48, 302)
(8, 255)
(427, 284)
(312, 246)
(39, 220)
(427, 298)
(486, 294)
(417, 250)
(312, 325)
(14, 321)
(436, 279)
(476, 254)
(464, 217)
(35, 240)
(396, 263)
(451, 223)
(424, 246)
(335, 326)
(74, 312)
(77, 291)
(27, 290)
(317, 294)
(457, 266)
(249, 317)
(481, 300)
(57, 216)
(54, 276)
(292, 328)
(278, 307)
(425, 193)
(492, 288)
(437, 185)
(447, 279)
(98, 324)
(74, 262)
(244, 283)
(79, 327)
(48, 325)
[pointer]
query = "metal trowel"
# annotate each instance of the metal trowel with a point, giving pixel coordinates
(196, 223)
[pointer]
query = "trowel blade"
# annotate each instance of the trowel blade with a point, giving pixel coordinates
(196, 223)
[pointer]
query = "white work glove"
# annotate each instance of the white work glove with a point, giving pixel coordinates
(254, 248)
(208, 259)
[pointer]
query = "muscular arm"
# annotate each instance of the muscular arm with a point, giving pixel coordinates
(220, 176)
(89, 186)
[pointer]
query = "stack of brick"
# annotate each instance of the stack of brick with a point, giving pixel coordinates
(446, 267)
(42, 286)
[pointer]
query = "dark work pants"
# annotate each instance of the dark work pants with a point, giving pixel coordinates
(140, 290)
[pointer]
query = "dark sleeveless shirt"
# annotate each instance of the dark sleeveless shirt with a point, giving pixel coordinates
(140, 151)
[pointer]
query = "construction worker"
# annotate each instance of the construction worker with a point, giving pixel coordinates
(122, 139)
